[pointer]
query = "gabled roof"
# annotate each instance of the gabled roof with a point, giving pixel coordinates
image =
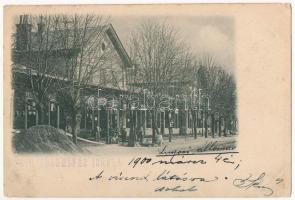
(107, 29)
(111, 33)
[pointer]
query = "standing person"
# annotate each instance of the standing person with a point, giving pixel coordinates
(140, 134)
(124, 135)
(98, 130)
(170, 130)
(69, 129)
(68, 126)
(159, 139)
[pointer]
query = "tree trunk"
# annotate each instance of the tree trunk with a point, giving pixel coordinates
(206, 126)
(76, 121)
(41, 114)
(219, 127)
(154, 127)
(235, 126)
(229, 126)
(194, 123)
(108, 127)
(74, 134)
(97, 135)
(162, 122)
(170, 125)
(202, 125)
(170, 134)
(212, 125)
(131, 138)
(186, 122)
(225, 126)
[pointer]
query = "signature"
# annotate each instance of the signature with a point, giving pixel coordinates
(208, 146)
(252, 182)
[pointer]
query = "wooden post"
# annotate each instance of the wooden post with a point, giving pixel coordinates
(110, 118)
(49, 107)
(108, 128)
(37, 117)
(212, 125)
(154, 125)
(124, 118)
(181, 120)
(98, 125)
(118, 120)
(197, 122)
(202, 118)
(206, 126)
(136, 121)
(237, 126)
(85, 121)
(170, 125)
(144, 123)
(218, 127)
(194, 129)
(164, 121)
(225, 127)
(150, 118)
(57, 123)
(186, 121)
(222, 126)
(161, 123)
(92, 120)
(13, 104)
(160, 120)
(177, 121)
(26, 113)
(192, 121)
(156, 118)
(140, 117)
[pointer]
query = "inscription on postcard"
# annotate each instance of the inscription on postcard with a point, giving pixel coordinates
(148, 103)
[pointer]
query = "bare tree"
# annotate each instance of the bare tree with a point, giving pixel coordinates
(221, 89)
(84, 33)
(64, 56)
(161, 58)
(36, 50)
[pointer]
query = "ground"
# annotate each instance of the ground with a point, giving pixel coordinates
(178, 143)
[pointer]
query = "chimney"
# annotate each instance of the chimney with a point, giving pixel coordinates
(23, 33)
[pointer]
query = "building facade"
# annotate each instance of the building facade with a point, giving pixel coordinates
(108, 82)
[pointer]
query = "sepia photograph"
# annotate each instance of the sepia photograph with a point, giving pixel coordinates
(102, 84)
(170, 100)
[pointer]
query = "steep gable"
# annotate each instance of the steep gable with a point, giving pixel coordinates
(112, 35)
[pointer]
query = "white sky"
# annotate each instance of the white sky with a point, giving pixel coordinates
(212, 36)
(205, 35)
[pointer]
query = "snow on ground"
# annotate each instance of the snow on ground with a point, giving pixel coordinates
(178, 143)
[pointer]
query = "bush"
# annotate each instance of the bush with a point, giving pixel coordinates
(43, 138)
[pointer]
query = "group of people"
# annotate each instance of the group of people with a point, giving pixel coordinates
(138, 135)
(115, 135)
